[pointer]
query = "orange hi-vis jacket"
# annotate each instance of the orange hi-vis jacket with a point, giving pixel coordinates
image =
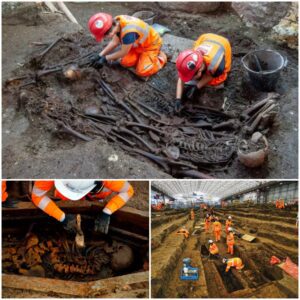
(215, 49)
(234, 262)
(230, 239)
(4, 192)
(183, 231)
(228, 224)
(145, 55)
(213, 249)
(217, 226)
(148, 39)
(281, 203)
(41, 200)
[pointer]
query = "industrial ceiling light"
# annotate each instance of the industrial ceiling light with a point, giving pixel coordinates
(219, 189)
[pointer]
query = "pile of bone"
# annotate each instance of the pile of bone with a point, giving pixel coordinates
(35, 258)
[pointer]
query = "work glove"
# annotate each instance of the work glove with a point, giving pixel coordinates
(98, 64)
(10, 203)
(102, 223)
(69, 223)
(94, 57)
(178, 105)
(191, 92)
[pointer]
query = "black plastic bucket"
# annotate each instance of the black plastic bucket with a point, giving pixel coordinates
(264, 67)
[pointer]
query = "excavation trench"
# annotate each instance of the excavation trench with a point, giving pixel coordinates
(230, 281)
(36, 245)
(258, 276)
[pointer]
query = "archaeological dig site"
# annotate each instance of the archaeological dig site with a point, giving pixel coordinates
(54, 246)
(224, 239)
(150, 90)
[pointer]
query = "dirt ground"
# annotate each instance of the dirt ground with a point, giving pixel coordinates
(258, 279)
(31, 150)
(140, 199)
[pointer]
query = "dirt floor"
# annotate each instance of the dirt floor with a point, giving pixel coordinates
(33, 146)
(275, 232)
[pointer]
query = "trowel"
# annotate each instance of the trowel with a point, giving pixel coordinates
(79, 239)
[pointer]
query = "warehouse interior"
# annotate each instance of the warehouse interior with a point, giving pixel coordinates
(263, 219)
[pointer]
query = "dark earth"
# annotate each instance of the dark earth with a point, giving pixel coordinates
(33, 149)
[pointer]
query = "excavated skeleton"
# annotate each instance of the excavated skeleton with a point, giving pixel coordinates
(201, 149)
(59, 257)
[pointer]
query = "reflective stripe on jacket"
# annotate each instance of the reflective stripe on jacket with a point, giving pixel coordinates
(148, 38)
(41, 200)
(215, 49)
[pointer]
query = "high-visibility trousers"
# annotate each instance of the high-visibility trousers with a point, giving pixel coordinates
(146, 63)
(218, 235)
(230, 248)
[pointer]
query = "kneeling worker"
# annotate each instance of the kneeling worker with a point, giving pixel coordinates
(79, 189)
(140, 43)
(213, 249)
(208, 64)
(235, 262)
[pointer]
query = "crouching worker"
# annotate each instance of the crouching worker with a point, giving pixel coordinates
(140, 43)
(183, 231)
(235, 262)
(207, 64)
(81, 189)
(213, 249)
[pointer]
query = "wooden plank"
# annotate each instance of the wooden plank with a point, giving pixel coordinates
(127, 233)
(107, 287)
(248, 238)
(71, 204)
(45, 285)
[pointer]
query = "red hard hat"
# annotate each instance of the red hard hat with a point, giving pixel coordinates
(99, 24)
(188, 63)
